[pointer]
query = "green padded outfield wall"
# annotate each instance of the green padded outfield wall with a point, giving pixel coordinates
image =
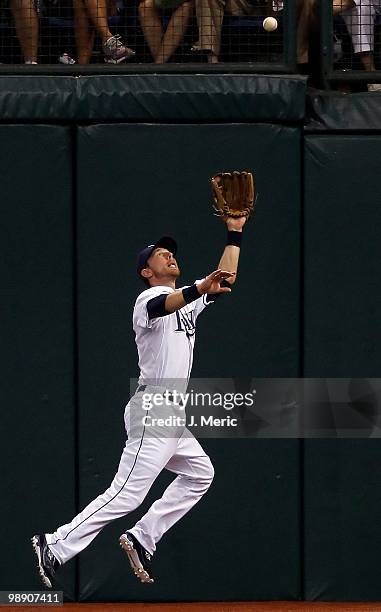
(342, 255)
(78, 201)
(135, 183)
(79, 337)
(37, 391)
(342, 313)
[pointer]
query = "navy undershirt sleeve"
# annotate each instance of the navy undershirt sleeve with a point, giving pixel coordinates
(156, 306)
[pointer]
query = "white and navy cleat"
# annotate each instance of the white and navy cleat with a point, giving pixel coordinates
(139, 557)
(47, 562)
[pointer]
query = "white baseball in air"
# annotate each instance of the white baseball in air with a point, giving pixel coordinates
(270, 24)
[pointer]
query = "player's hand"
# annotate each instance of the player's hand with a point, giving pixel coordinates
(211, 284)
(235, 224)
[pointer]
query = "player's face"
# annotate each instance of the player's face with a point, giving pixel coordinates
(163, 265)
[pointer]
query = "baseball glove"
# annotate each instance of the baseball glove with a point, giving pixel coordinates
(233, 194)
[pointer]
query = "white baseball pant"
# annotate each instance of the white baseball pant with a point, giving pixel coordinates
(144, 457)
(360, 23)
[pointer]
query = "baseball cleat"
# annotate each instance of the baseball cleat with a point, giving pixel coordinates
(47, 562)
(139, 557)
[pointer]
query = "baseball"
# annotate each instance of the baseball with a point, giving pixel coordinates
(270, 24)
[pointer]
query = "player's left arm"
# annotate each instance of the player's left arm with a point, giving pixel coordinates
(230, 256)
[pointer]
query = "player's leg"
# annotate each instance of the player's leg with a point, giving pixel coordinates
(194, 476)
(143, 457)
(141, 462)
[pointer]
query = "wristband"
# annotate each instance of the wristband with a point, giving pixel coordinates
(190, 294)
(234, 238)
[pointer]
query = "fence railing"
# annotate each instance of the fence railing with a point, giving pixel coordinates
(69, 36)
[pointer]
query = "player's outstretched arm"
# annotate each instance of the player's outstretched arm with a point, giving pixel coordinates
(230, 256)
(211, 284)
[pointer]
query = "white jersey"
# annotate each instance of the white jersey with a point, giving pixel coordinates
(165, 344)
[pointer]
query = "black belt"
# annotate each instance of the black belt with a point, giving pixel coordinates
(142, 388)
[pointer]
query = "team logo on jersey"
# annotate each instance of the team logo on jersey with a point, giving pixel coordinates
(185, 322)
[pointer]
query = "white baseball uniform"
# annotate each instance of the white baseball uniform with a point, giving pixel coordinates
(165, 347)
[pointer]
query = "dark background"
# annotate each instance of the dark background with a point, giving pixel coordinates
(284, 519)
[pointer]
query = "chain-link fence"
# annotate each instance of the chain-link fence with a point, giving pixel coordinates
(136, 33)
(342, 36)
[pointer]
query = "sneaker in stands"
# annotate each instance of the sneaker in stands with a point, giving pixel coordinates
(115, 51)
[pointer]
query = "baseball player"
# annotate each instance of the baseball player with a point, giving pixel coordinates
(164, 322)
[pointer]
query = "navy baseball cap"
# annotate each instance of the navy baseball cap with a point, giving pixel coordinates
(166, 242)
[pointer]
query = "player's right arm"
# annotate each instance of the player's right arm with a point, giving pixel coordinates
(168, 303)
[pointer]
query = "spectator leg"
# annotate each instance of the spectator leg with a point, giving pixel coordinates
(84, 33)
(97, 13)
(306, 14)
(307, 18)
(360, 24)
(341, 5)
(209, 14)
(152, 27)
(175, 31)
(26, 23)
(367, 60)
